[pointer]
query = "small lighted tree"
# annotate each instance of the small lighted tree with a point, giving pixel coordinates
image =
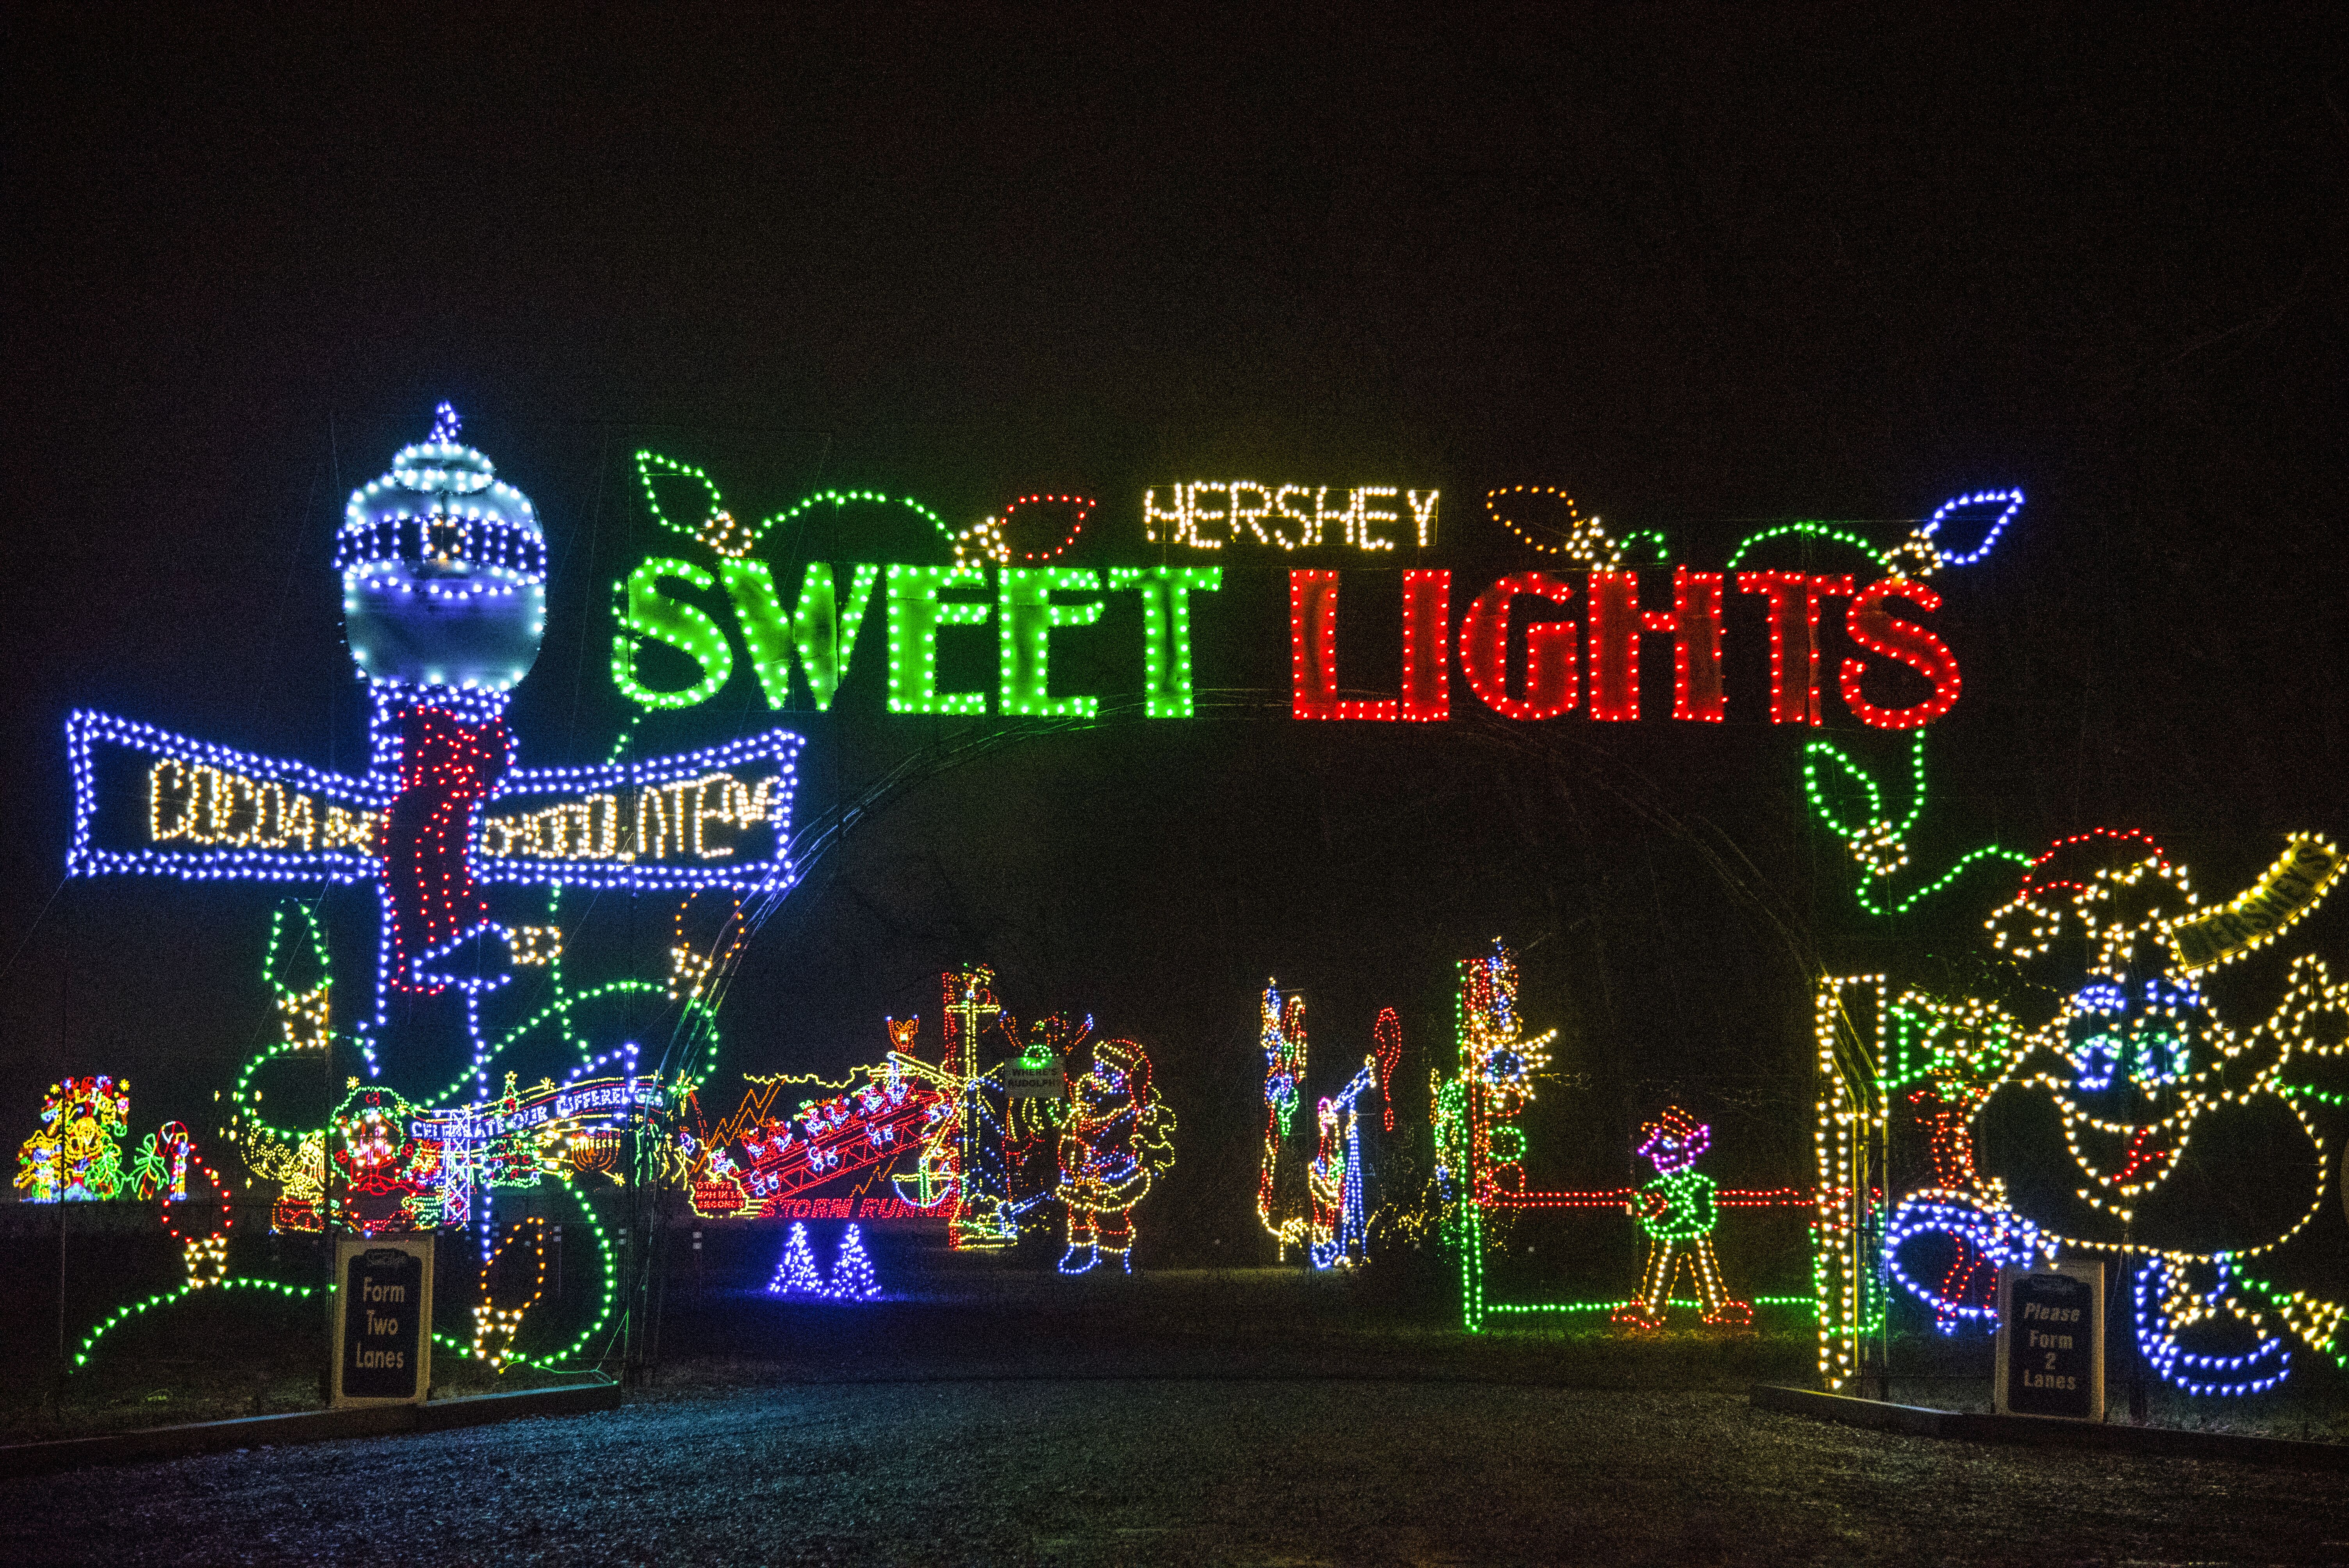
(852, 1271)
(796, 1274)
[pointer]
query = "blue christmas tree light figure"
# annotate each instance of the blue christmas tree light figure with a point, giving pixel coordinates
(851, 1272)
(796, 1275)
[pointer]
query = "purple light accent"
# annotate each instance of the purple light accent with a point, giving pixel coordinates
(444, 424)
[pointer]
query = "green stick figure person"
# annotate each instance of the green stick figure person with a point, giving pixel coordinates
(1678, 1211)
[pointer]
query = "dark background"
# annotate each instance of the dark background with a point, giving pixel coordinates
(1702, 269)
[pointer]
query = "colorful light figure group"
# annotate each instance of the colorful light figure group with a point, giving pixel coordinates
(1280, 1034)
(75, 1155)
(444, 573)
(1337, 1180)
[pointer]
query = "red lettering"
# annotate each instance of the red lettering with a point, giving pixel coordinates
(1313, 650)
(1793, 598)
(1873, 628)
(1693, 623)
(1552, 671)
(1426, 645)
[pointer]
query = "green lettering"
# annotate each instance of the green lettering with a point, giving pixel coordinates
(646, 612)
(1165, 593)
(822, 636)
(916, 616)
(1025, 623)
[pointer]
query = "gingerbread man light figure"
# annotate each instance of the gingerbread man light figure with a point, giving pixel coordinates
(1678, 1211)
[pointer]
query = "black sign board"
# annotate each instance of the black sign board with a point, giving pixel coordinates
(383, 1326)
(2051, 1341)
(1047, 1082)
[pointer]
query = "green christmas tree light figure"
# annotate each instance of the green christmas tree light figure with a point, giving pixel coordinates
(1678, 1211)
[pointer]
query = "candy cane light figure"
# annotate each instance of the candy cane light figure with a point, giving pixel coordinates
(1117, 1137)
(1678, 1211)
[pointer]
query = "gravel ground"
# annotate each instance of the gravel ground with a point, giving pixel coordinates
(1174, 1471)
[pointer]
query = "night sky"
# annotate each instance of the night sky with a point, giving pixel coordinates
(1702, 269)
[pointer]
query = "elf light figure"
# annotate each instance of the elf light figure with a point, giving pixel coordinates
(1678, 1211)
(1117, 1137)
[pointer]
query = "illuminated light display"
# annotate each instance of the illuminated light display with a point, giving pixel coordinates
(1427, 690)
(2141, 1075)
(1386, 1049)
(796, 1274)
(1479, 1148)
(1280, 1034)
(717, 527)
(443, 568)
(717, 818)
(916, 615)
(122, 1315)
(1336, 1181)
(1850, 1128)
(852, 1271)
(2135, 1057)
(974, 1166)
(1288, 516)
(75, 1155)
(1166, 596)
(1793, 599)
(645, 611)
(1426, 696)
(444, 573)
(2168, 1304)
(2290, 888)
(1117, 1137)
(239, 825)
(1877, 842)
(1026, 617)
(1313, 654)
(925, 600)
(1677, 1211)
(1085, 509)
(1553, 666)
(1583, 541)
(159, 1169)
(496, 1326)
(820, 630)
(1694, 623)
(870, 1126)
(1922, 554)
(205, 1253)
(1983, 1235)
(1872, 627)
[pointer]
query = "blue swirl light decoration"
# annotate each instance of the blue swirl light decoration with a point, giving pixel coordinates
(1988, 1236)
(2168, 1302)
